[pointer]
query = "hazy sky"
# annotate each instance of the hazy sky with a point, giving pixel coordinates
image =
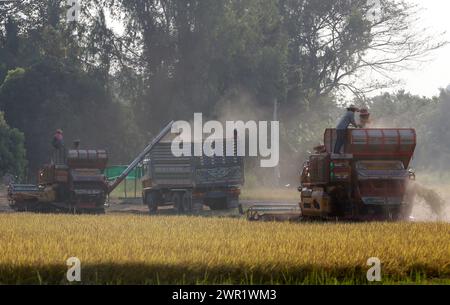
(426, 78)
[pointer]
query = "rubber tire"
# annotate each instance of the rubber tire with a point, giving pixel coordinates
(218, 204)
(150, 200)
(177, 200)
(187, 202)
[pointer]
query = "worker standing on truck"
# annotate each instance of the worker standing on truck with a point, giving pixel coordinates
(341, 128)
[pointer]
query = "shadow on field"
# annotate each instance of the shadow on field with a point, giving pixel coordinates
(200, 274)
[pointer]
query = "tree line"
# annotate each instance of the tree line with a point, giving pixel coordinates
(116, 76)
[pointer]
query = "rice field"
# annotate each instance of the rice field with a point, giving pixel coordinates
(141, 249)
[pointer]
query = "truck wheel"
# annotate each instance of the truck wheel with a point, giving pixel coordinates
(187, 202)
(218, 204)
(150, 200)
(177, 202)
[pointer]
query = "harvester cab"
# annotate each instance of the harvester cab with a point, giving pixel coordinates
(367, 181)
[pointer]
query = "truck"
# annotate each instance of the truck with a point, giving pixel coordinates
(367, 181)
(190, 182)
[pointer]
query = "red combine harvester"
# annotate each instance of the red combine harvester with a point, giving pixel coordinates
(73, 182)
(368, 181)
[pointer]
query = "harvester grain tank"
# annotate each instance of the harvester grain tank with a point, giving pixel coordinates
(368, 181)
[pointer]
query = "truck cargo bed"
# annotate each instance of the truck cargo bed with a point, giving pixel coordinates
(167, 170)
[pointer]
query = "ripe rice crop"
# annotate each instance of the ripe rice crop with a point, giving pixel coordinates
(126, 249)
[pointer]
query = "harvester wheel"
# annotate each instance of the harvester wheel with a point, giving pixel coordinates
(217, 203)
(150, 200)
(177, 202)
(252, 215)
(187, 202)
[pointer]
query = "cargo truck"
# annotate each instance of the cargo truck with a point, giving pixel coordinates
(189, 182)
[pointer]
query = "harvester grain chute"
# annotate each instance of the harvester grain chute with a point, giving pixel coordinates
(140, 157)
(73, 182)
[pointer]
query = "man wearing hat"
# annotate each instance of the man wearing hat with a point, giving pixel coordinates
(341, 128)
(58, 141)
(364, 118)
(58, 145)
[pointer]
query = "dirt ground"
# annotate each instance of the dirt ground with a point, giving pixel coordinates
(421, 211)
(135, 206)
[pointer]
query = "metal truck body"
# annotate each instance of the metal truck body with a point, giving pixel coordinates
(368, 181)
(189, 182)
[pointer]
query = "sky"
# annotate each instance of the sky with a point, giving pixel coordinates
(425, 79)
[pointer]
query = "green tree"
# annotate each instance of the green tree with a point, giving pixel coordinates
(51, 95)
(12, 150)
(428, 116)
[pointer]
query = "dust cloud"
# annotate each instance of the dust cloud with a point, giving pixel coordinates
(242, 105)
(428, 204)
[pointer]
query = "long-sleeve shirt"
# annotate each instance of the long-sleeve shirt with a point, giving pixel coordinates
(347, 119)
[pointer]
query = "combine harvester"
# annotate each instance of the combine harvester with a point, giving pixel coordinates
(368, 181)
(73, 182)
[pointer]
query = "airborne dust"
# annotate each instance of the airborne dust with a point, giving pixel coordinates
(428, 204)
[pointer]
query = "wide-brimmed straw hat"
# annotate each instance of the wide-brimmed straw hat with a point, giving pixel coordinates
(352, 107)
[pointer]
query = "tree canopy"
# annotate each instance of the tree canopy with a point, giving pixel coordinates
(12, 150)
(125, 68)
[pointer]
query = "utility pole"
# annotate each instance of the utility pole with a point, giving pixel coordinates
(276, 169)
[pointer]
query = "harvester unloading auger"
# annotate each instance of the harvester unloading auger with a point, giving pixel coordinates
(73, 182)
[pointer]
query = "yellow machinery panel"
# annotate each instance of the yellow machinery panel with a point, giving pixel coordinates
(315, 202)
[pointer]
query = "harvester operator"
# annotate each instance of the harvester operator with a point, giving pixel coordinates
(58, 140)
(58, 145)
(341, 128)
